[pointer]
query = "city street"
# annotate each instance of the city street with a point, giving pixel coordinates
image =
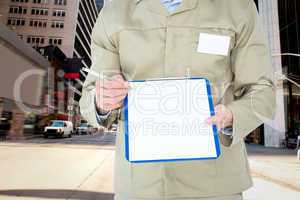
(160, 68)
(81, 168)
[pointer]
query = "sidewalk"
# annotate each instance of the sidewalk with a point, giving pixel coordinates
(279, 166)
(56, 172)
(265, 190)
(72, 172)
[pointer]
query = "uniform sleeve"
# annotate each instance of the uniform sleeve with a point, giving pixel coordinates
(253, 84)
(105, 60)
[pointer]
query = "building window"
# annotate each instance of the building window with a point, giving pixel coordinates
(17, 10)
(55, 41)
(57, 24)
(36, 40)
(38, 23)
(16, 21)
(59, 13)
(60, 2)
(41, 1)
(39, 11)
(20, 1)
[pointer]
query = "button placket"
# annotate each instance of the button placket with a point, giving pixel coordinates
(168, 47)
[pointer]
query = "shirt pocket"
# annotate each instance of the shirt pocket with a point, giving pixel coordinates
(210, 65)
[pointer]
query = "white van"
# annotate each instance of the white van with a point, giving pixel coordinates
(59, 128)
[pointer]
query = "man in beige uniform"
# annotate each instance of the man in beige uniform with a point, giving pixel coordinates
(140, 39)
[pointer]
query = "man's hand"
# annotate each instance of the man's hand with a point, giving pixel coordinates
(223, 117)
(111, 93)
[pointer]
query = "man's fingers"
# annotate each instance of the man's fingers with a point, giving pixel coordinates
(114, 100)
(112, 107)
(112, 84)
(217, 120)
(114, 92)
(116, 82)
(111, 92)
(115, 85)
(119, 82)
(118, 77)
(107, 101)
(116, 106)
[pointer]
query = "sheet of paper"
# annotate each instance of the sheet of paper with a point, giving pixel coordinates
(166, 121)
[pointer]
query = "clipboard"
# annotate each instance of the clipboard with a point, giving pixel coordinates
(129, 124)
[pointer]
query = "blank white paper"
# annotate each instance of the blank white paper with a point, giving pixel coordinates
(166, 120)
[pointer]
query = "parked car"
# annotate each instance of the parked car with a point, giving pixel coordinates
(84, 129)
(59, 128)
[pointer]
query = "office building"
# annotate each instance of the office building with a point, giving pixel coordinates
(281, 25)
(63, 23)
(22, 84)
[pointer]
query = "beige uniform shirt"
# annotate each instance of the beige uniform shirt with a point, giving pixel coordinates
(142, 40)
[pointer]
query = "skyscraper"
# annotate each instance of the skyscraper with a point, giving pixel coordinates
(63, 23)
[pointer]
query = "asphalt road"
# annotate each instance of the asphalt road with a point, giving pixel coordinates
(98, 140)
(80, 167)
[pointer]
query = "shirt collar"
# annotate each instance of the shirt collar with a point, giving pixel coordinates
(158, 8)
(171, 1)
(164, 1)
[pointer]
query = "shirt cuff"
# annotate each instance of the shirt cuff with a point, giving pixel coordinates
(227, 131)
(101, 117)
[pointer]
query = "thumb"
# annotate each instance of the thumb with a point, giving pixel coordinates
(211, 120)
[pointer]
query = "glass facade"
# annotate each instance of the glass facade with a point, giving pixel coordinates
(281, 23)
(289, 15)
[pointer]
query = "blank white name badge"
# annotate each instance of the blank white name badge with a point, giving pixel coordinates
(213, 44)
